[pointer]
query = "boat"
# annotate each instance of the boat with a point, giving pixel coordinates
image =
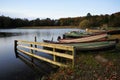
(84, 39)
(112, 32)
(76, 34)
(89, 46)
(94, 30)
(97, 45)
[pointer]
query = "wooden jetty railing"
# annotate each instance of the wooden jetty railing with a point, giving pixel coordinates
(68, 54)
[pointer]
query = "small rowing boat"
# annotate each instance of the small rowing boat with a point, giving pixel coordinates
(76, 34)
(111, 32)
(84, 39)
(88, 46)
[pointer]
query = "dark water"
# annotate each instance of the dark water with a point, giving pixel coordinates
(21, 68)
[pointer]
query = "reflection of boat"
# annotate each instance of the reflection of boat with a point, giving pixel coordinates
(96, 45)
(84, 39)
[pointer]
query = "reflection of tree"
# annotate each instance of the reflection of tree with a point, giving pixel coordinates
(8, 34)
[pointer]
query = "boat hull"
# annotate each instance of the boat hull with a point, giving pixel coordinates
(106, 45)
(84, 39)
(112, 32)
(76, 34)
(90, 46)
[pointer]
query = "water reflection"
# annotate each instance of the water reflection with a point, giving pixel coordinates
(39, 67)
(12, 68)
(9, 34)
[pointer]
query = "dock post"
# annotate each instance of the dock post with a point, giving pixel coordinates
(31, 51)
(15, 48)
(35, 41)
(54, 57)
(74, 55)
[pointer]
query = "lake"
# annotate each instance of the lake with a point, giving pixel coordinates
(21, 68)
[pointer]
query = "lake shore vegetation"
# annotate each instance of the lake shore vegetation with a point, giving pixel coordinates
(97, 65)
(88, 21)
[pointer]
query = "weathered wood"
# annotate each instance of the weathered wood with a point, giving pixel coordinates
(54, 57)
(58, 46)
(20, 43)
(73, 54)
(35, 41)
(15, 47)
(42, 58)
(49, 52)
(31, 49)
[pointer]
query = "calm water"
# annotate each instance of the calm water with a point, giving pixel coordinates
(12, 68)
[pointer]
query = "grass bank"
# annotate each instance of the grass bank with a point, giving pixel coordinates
(102, 65)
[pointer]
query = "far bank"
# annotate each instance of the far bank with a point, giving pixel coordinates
(48, 27)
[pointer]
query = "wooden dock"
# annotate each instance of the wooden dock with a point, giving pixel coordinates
(68, 52)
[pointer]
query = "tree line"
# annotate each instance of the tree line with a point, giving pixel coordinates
(88, 21)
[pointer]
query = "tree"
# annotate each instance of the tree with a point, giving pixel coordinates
(84, 24)
(89, 15)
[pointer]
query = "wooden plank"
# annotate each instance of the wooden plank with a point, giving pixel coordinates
(49, 52)
(15, 45)
(41, 58)
(58, 46)
(20, 43)
(15, 48)
(73, 54)
(54, 56)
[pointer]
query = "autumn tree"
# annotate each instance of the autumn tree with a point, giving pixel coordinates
(84, 24)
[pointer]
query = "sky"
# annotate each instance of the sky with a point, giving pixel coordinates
(56, 9)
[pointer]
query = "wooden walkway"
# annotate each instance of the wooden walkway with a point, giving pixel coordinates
(68, 52)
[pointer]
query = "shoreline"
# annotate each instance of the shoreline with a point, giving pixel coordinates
(48, 27)
(44, 27)
(55, 27)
